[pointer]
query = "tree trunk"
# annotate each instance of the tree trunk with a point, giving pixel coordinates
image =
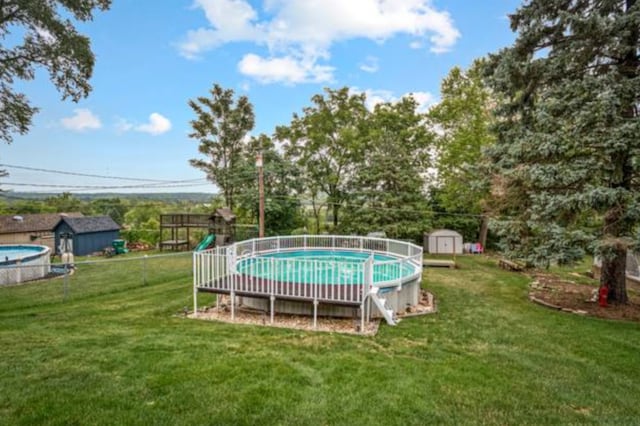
(336, 207)
(614, 262)
(316, 214)
(614, 258)
(484, 229)
(613, 275)
(228, 198)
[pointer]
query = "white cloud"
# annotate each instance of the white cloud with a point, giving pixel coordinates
(157, 125)
(300, 32)
(370, 64)
(82, 119)
(123, 125)
(376, 96)
(287, 70)
(231, 21)
(425, 100)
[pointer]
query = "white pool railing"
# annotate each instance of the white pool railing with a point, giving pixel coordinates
(215, 270)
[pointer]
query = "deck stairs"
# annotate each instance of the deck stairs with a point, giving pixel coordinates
(381, 303)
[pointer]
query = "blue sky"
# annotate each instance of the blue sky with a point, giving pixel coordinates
(152, 57)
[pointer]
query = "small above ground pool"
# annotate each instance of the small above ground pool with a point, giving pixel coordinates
(24, 262)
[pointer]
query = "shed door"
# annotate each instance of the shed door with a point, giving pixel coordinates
(66, 244)
(445, 245)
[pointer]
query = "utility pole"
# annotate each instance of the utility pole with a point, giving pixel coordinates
(261, 194)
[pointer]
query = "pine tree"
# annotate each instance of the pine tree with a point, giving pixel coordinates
(567, 156)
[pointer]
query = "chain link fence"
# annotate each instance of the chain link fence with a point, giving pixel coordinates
(90, 278)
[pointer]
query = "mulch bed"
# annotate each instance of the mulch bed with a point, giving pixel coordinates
(425, 306)
(550, 291)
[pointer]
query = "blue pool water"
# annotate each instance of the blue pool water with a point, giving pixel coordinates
(323, 267)
(11, 253)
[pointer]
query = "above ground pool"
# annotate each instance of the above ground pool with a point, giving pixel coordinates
(13, 253)
(320, 275)
(342, 267)
(23, 262)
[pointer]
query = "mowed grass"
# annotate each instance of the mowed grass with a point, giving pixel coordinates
(118, 352)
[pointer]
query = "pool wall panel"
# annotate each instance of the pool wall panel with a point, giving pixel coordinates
(408, 296)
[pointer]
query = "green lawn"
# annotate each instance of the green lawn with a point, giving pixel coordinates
(116, 353)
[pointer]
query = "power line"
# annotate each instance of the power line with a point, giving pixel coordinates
(62, 172)
(307, 202)
(363, 206)
(237, 177)
(101, 187)
(240, 176)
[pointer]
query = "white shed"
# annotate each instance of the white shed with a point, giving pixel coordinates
(443, 241)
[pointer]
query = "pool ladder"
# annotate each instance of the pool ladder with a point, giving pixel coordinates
(383, 306)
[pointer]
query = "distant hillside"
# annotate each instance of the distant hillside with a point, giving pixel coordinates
(196, 197)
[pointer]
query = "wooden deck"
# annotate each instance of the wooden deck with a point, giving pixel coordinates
(438, 263)
(174, 244)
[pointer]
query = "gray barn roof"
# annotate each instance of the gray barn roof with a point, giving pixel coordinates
(39, 222)
(85, 225)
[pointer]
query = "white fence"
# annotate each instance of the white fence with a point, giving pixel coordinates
(335, 281)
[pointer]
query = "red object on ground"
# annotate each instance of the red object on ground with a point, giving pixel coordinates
(603, 293)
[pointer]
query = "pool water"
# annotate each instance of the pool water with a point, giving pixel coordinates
(10, 253)
(323, 267)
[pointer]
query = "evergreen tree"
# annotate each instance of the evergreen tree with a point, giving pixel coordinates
(568, 145)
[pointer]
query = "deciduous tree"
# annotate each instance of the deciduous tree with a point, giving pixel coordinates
(39, 34)
(388, 192)
(221, 126)
(464, 120)
(282, 187)
(326, 142)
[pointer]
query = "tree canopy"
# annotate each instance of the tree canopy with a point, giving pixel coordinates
(39, 34)
(567, 148)
(463, 119)
(388, 189)
(282, 186)
(326, 142)
(221, 127)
